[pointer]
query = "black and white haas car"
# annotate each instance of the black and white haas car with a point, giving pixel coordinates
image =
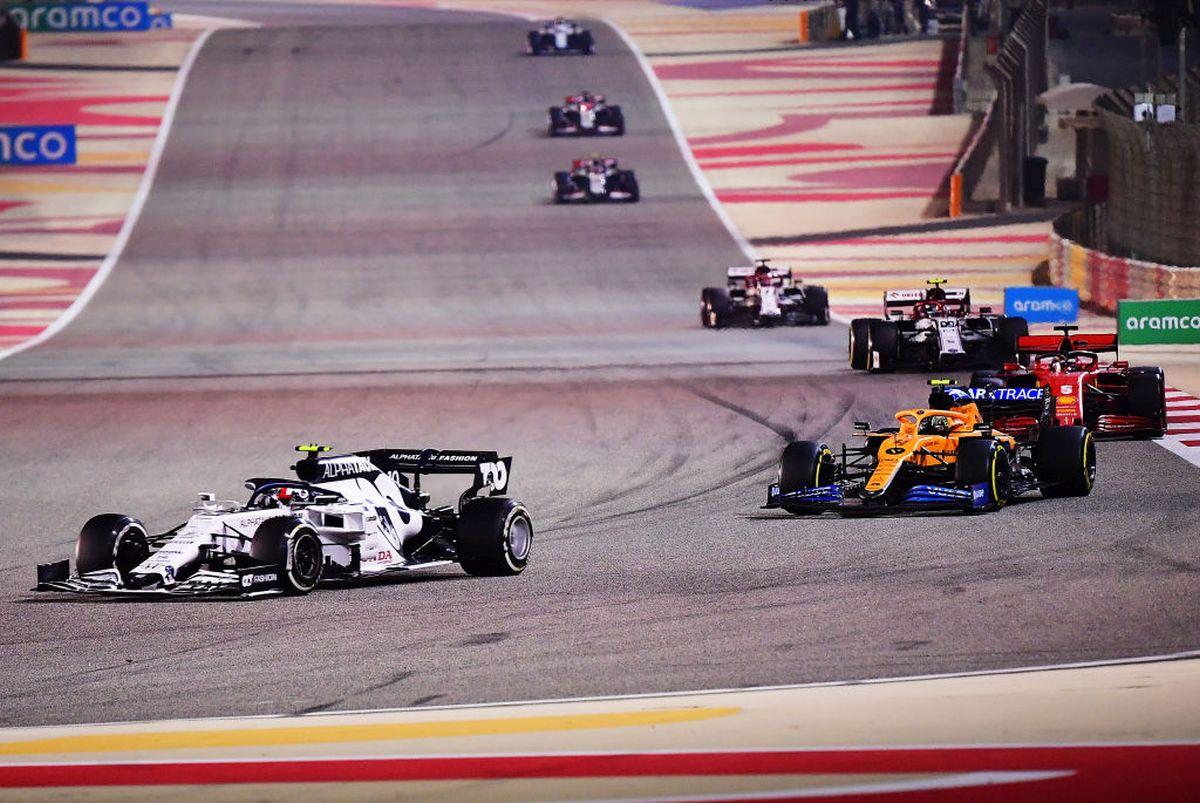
(586, 114)
(931, 329)
(595, 180)
(763, 295)
(560, 35)
(343, 518)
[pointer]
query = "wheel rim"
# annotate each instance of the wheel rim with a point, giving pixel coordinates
(1001, 479)
(520, 538)
(306, 559)
(1089, 461)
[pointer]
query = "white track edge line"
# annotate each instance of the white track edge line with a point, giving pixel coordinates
(688, 157)
(826, 684)
(135, 209)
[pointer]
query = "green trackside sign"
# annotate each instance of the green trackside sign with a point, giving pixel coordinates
(1142, 323)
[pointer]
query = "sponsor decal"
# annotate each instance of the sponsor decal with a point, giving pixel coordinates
(249, 580)
(346, 467)
(162, 20)
(1042, 304)
(894, 450)
(1166, 321)
(979, 494)
(169, 574)
(82, 17)
(1007, 394)
(37, 145)
(1066, 400)
(494, 474)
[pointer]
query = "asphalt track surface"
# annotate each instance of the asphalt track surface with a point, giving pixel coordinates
(360, 214)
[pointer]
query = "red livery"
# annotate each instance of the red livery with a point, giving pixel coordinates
(1109, 397)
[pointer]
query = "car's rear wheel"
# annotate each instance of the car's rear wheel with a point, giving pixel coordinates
(294, 549)
(563, 187)
(859, 330)
(535, 43)
(883, 346)
(803, 465)
(1065, 461)
(716, 308)
(1148, 396)
(111, 541)
(630, 184)
(816, 304)
(495, 537)
(985, 461)
(1008, 334)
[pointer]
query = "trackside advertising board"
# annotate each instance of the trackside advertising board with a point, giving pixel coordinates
(37, 145)
(82, 17)
(1042, 304)
(1166, 321)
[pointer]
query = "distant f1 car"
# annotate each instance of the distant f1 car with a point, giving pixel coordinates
(945, 457)
(763, 296)
(1110, 398)
(933, 328)
(584, 114)
(560, 35)
(593, 180)
(344, 518)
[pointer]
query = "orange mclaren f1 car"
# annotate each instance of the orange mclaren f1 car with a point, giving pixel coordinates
(943, 457)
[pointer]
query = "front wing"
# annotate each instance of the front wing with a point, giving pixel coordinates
(833, 498)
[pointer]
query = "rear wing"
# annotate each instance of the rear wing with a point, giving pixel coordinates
(1052, 344)
(992, 403)
(739, 275)
(490, 471)
(897, 299)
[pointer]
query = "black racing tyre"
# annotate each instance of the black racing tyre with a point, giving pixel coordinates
(805, 464)
(984, 460)
(563, 186)
(1148, 395)
(883, 346)
(985, 378)
(558, 120)
(716, 308)
(1065, 461)
(616, 118)
(586, 43)
(495, 536)
(858, 343)
(535, 43)
(293, 549)
(629, 183)
(816, 303)
(111, 541)
(1009, 332)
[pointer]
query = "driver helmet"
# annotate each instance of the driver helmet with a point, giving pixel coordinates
(935, 293)
(284, 495)
(935, 425)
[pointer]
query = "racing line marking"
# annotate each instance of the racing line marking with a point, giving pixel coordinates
(135, 210)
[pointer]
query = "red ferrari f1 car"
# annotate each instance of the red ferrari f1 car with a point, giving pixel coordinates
(1109, 397)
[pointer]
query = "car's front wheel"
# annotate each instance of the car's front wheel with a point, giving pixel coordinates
(293, 549)
(111, 541)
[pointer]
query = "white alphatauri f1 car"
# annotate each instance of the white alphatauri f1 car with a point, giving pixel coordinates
(344, 518)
